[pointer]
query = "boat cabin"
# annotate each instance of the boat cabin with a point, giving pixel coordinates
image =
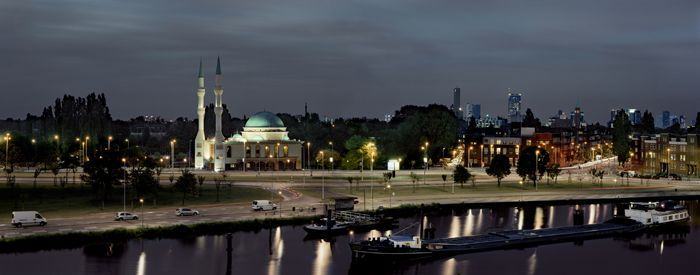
(345, 202)
(405, 241)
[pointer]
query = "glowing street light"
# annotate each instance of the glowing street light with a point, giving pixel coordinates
(142, 218)
(172, 153)
(124, 184)
(7, 147)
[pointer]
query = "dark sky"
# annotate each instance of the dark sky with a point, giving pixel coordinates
(352, 58)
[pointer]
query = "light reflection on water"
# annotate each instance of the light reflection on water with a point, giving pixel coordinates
(323, 258)
(284, 250)
(141, 265)
(276, 254)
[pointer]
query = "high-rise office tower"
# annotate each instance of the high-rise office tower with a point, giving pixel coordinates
(665, 119)
(473, 110)
(456, 101)
(514, 105)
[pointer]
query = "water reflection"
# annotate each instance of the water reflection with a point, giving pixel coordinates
(532, 263)
(323, 257)
(141, 265)
(275, 260)
(455, 226)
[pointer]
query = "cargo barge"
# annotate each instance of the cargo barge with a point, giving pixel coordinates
(637, 217)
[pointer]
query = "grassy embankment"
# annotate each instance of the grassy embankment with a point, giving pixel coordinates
(74, 200)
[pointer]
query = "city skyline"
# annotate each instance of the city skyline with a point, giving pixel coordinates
(377, 56)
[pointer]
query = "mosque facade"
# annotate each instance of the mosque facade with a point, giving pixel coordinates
(262, 145)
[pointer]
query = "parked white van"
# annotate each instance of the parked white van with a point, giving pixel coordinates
(22, 218)
(263, 205)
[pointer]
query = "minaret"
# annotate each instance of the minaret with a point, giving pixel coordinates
(200, 139)
(219, 160)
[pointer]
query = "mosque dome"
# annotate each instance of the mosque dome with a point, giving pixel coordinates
(264, 120)
(238, 138)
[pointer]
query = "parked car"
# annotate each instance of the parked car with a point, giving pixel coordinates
(22, 218)
(122, 216)
(263, 205)
(186, 212)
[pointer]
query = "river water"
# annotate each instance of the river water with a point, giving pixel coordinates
(284, 250)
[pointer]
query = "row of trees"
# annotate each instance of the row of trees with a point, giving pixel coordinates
(532, 164)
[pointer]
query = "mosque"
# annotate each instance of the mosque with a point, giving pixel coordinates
(263, 144)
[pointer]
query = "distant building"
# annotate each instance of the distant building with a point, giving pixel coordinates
(635, 116)
(456, 102)
(387, 118)
(473, 110)
(666, 154)
(514, 106)
(488, 121)
(577, 118)
(681, 121)
(665, 119)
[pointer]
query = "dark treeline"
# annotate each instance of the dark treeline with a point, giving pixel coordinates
(65, 125)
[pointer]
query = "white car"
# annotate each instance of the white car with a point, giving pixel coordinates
(186, 212)
(122, 216)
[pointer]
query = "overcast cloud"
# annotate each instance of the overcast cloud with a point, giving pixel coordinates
(352, 58)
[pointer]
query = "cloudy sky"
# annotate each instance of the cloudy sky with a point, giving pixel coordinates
(352, 58)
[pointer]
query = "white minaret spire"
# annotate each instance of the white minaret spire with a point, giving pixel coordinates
(200, 139)
(219, 157)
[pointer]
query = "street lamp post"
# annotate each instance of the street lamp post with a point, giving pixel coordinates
(142, 218)
(537, 155)
(668, 165)
(124, 185)
(127, 143)
(277, 156)
(388, 187)
(323, 178)
(55, 138)
(7, 148)
(172, 154)
(469, 156)
(481, 158)
(281, 200)
(109, 143)
(331, 160)
(308, 157)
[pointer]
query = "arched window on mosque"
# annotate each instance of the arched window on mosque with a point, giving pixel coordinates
(228, 151)
(247, 151)
(257, 150)
(286, 151)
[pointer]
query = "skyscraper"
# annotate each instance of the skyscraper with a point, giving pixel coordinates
(514, 105)
(473, 110)
(665, 119)
(635, 116)
(456, 102)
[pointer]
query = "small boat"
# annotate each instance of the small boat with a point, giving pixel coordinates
(652, 214)
(341, 222)
(327, 226)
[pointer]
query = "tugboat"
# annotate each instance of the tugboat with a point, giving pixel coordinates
(638, 217)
